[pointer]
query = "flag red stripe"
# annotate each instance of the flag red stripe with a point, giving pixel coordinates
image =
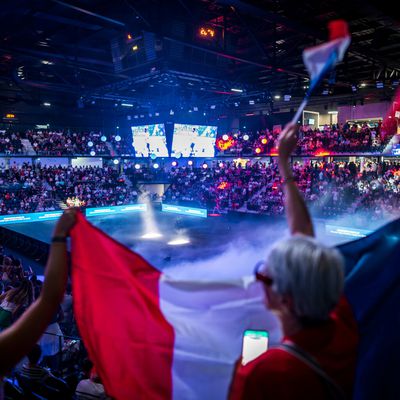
(116, 304)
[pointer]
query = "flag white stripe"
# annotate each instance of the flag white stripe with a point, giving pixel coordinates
(209, 319)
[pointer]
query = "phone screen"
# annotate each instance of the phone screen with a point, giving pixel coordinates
(254, 344)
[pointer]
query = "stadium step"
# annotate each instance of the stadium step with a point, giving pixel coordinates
(28, 149)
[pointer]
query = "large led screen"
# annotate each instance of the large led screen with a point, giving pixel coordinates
(149, 141)
(193, 140)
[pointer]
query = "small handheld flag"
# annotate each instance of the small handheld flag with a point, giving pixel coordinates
(319, 60)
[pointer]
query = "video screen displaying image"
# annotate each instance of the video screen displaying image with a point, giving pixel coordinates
(193, 141)
(149, 141)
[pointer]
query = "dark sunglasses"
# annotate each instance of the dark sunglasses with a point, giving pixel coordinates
(266, 280)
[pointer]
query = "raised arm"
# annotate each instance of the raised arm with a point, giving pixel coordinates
(19, 338)
(297, 214)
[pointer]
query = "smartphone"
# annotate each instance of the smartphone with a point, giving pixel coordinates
(255, 343)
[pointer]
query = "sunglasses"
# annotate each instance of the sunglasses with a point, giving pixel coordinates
(266, 280)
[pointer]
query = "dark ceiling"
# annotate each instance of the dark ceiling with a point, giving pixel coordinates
(150, 53)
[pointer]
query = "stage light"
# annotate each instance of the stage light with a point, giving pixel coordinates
(135, 47)
(277, 97)
(237, 90)
(195, 108)
(151, 235)
(251, 102)
(264, 141)
(354, 88)
(126, 105)
(117, 138)
(129, 36)
(171, 112)
(236, 104)
(46, 104)
(287, 97)
(90, 144)
(213, 107)
(379, 85)
(221, 165)
(190, 162)
(137, 166)
(116, 162)
(246, 137)
(92, 153)
(157, 114)
(205, 166)
(178, 242)
(332, 112)
(174, 163)
(363, 84)
(156, 166)
(225, 137)
(103, 139)
(325, 92)
(258, 150)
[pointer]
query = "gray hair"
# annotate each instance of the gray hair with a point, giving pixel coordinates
(311, 273)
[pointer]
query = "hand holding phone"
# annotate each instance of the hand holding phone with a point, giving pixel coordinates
(255, 343)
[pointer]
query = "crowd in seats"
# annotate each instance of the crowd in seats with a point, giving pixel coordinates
(122, 146)
(223, 186)
(10, 143)
(26, 188)
(330, 138)
(67, 143)
(331, 189)
(66, 374)
(337, 138)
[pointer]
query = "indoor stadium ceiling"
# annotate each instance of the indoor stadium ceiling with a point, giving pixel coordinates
(155, 53)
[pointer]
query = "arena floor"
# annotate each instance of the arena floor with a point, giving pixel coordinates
(242, 239)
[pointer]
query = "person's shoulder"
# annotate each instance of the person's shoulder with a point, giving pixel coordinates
(344, 313)
(273, 362)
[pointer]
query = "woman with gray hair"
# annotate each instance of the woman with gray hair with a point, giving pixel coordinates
(303, 282)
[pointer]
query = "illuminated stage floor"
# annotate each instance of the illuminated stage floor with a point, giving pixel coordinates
(208, 238)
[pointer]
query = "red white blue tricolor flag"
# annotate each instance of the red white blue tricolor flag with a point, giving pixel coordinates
(154, 337)
(319, 59)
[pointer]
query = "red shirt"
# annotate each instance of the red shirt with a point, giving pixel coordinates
(279, 375)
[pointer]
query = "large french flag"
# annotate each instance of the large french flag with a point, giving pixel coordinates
(154, 337)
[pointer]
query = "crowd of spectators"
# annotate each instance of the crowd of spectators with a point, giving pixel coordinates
(331, 189)
(67, 143)
(334, 138)
(10, 143)
(26, 188)
(57, 366)
(331, 139)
